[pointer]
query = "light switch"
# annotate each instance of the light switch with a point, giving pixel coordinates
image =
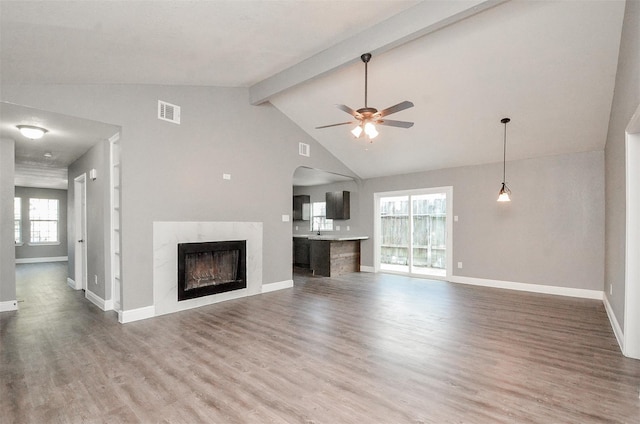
(285, 218)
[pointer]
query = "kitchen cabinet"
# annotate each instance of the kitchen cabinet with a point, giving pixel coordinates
(301, 252)
(301, 207)
(338, 204)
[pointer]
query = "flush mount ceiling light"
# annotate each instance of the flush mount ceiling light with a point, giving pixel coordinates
(31, 131)
(368, 117)
(505, 193)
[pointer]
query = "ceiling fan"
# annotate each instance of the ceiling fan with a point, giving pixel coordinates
(368, 117)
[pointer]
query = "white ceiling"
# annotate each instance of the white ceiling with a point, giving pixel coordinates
(67, 139)
(549, 65)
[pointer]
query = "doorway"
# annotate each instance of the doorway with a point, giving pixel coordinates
(413, 232)
(80, 217)
(631, 344)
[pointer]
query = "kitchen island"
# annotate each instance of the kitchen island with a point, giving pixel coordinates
(330, 256)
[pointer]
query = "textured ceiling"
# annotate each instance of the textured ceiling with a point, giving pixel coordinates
(548, 65)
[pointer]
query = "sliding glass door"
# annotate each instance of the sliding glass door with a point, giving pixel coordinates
(413, 232)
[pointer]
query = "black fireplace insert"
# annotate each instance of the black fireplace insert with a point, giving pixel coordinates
(207, 268)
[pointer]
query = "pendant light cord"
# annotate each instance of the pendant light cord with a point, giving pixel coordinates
(504, 155)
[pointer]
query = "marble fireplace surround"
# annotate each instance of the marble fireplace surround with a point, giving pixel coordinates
(167, 235)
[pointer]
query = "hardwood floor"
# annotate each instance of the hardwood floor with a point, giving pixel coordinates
(360, 348)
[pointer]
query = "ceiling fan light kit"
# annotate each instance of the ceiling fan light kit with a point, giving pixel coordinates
(368, 117)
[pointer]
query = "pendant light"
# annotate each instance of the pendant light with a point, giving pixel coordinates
(505, 193)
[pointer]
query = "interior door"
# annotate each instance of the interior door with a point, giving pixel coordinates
(80, 221)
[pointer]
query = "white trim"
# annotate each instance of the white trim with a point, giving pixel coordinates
(631, 311)
(9, 305)
(40, 260)
(73, 284)
(280, 285)
(97, 300)
(80, 230)
(364, 268)
(136, 314)
(615, 325)
(534, 288)
(108, 305)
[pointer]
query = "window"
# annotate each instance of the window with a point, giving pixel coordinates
(319, 222)
(43, 217)
(17, 219)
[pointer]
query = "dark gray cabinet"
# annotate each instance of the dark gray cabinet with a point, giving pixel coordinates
(301, 207)
(338, 204)
(301, 252)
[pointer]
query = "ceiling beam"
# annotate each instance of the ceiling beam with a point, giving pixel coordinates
(415, 22)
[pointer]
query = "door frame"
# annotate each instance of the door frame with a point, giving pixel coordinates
(377, 235)
(631, 332)
(80, 233)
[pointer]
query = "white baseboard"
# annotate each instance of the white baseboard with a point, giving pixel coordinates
(98, 301)
(615, 325)
(39, 260)
(8, 305)
(364, 268)
(280, 285)
(73, 284)
(108, 305)
(136, 314)
(534, 288)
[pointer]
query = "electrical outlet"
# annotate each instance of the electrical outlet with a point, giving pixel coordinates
(296, 228)
(459, 264)
(337, 228)
(95, 279)
(226, 176)
(348, 228)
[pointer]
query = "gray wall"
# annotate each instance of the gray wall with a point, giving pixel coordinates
(47, 251)
(551, 233)
(98, 219)
(174, 172)
(7, 246)
(626, 99)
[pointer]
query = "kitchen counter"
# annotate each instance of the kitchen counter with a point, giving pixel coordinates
(331, 255)
(329, 237)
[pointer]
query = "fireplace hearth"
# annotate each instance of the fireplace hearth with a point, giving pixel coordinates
(207, 268)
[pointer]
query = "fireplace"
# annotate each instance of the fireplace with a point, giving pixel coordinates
(207, 268)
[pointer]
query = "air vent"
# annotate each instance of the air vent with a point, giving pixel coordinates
(168, 112)
(303, 149)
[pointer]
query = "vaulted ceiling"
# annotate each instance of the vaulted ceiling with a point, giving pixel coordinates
(548, 65)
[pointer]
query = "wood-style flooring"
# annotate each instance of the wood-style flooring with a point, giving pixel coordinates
(359, 348)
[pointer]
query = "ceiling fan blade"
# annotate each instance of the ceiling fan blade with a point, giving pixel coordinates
(335, 125)
(348, 110)
(391, 123)
(396, 108)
